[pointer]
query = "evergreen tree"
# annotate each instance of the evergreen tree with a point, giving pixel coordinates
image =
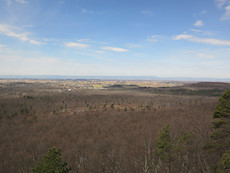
(171, 151)
(221, 124)
(220, 144)
(52, 163)
(224, 164)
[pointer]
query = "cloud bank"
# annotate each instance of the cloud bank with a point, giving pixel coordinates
(115, 49)
(199, 23)
(77, 45)
(11, 31)
(195, 39)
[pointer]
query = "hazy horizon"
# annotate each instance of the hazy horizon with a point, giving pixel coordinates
(143, 78)
(166, 39)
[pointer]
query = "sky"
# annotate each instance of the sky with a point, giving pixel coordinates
(164, 38)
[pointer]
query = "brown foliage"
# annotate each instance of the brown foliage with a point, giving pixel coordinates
(95, 139)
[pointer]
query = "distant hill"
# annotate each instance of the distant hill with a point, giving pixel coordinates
(199, 88)
(59, 77)
(209, 85)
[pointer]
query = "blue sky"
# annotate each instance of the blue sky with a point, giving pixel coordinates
(165, 38)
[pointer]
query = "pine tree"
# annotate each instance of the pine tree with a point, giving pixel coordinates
(172, 150)
(164, 146)
(52, 163)
(221, 124)
(220, 144)
(224, 164)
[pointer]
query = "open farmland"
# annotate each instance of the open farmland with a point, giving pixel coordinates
(104, 126)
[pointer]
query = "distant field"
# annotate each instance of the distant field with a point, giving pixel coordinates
(102, 126)
(201, 88)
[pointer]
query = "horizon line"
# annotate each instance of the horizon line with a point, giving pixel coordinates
(98, 77)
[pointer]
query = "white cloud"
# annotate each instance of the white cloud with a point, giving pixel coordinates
(153, 38)
(221, 3)
(182, 36)
(61, 2)
(211, 41)
(35, 42)
(224, 4)
(100, 51)
(84, 10)
(20, 59)
(195, 30)
(202, 32)
(11, 32)
(199, 23)
(9, 2)
(86, 40)
(42, 60)
(77, 45)
(204, 55)
(147, 12)
(21, 1)
(2, 45)
(179, 64)
(132, 45)
(226, 15)
(203, 12)
(115, 49)
(51, 66)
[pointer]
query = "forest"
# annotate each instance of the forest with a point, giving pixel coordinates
(52, 128)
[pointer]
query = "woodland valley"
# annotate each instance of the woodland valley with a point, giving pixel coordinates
(114, 126)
